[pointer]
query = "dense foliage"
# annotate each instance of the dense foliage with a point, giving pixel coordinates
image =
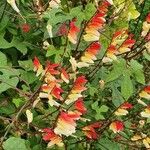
(74, 74)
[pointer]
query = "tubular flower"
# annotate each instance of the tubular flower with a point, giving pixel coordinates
(146, 112)
(116, 126)
(73, 32)
(66, 124)
(56, 91)
(51, 89)
(77, 89)
(49, 135)
(146, 142)
(122, 110)
(121, 43)
(143, 138)
(51, 68)
(79, 106)
(126, 45)
(145, 93)
(90, 130)
(37, 67)
(64, 76)
(13, 5)
(25, 27)
(111, 52)
(146, 25)
(89, 55)
(96, 23)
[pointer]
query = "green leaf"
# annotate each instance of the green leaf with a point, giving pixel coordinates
(99, 110)
(117, 98)
(20, 45)
(18, 102)
(126, 86)
(92, 90)
(55, 16)
(3, 59)
(137, 70)
(29, 77)
(8, 78)
(26, 64)
(95, 105)
(7, 83)
(103, 108)
(14, 143)
(89, 10)
(105, 143)
(147, 55)
(118, 69)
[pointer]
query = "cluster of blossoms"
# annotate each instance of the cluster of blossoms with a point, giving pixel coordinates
(52, 77)
(122, 42)
(123, 109)
(66, 121)
(145, 93)
(51, 89)
(73, 32)
(146, 32)
(116, 126)
(146, 26)
(87, 58)
(96, 23)
(143, 139)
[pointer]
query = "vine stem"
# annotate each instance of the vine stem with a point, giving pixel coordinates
(17, 115)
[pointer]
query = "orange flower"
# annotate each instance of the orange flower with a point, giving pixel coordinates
(148, 18)
(146, 26)
(73, 32)
(145, 93)
(66, 124)
(127, 45)
(56, 91)
(64, 76)
(54, 139)
(89, 55)
(37, 66)
(51, 68)
(96, 23)
(90, 131)
(78, 87)
(122, 110)
(116, 126)
(146, 112)
(79, 106)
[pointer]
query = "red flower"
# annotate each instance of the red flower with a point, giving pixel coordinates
(126, 105)
(56, 91)
(80, 80)
(147, 89)
(73, 32)
(94, 48)
(51, 68)
(64, 75)
(38, 68)
(49, 135)
(79, 105)
(148, 18)
(66, 124)
(116, 126)
(90, 131)
(25, 27)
